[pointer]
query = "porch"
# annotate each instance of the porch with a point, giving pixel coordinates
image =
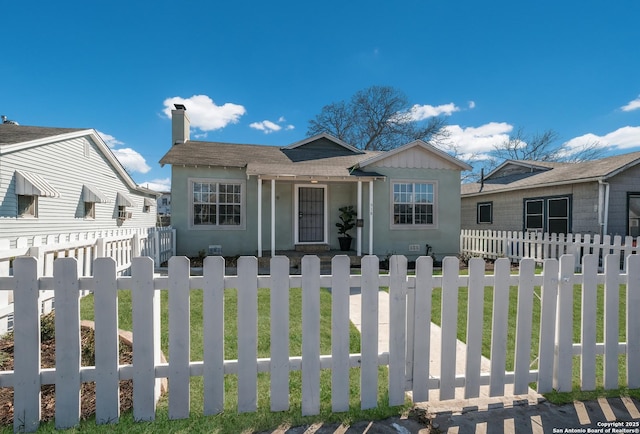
(295, 259)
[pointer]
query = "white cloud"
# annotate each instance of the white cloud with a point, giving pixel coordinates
(111, 141)
(266, 126)
(162, 184)
(131, 160)
(204, 114)
(632, 105)
(269, 127)
(478, 140)
(472, 104)
(622, 138)
(421, 112)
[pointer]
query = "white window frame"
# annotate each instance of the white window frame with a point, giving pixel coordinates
(412, 226)
(34, 205)
(219, 227)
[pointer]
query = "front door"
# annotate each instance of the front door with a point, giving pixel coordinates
(311, 211)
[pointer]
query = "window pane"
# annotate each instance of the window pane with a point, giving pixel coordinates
(217, 204)
(559, 207)
(534, 222)
(484, 213)
(559, 226)
(534, 207)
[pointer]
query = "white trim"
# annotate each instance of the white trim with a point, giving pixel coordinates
(296, 212)
(243, 205)
(32, 184)
(401, 227)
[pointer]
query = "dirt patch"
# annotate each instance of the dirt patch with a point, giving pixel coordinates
(48, 360)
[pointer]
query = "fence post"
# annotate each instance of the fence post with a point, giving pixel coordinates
(4, 295)
(155, 248)
(26, 385)
(135, 247)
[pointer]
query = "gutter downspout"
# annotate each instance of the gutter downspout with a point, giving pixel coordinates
(603, 206)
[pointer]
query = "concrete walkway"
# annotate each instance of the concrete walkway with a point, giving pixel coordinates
(434, 404)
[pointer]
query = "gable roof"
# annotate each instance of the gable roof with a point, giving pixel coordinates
(419, 144)
(14, 138)
(555, 174)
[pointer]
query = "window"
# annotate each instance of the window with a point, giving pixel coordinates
(218, 204)
(27, 206)
(548, 214)
(164, 201)
(90, 210)
(485, 212)
(413, 204)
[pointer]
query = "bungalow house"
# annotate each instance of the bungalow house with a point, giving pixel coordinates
(591, 197)
(65, 180)
(239, 199)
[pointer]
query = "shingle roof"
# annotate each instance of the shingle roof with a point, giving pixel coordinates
(564, 173)
(11, 134)
(267, 160)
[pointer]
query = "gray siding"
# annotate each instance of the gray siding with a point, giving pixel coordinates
(620, 185)
(508, 208)
(66, 167)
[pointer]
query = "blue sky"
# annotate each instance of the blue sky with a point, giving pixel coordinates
(257, 72)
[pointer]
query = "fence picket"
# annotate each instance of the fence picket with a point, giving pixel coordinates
(564, 326)
(340, 269)
(475, 304)
(611, 320)
(499, 326)
(449, 320)
(146, 345)
(310, 335)
(422, 328)
(633, 321)
(588, 321)
(280, 333)
(369, 334)
(548, 311)
(213, 330)
(397, 328)
(247, 333)
(26, 401)
(522, 358)
(106, 341)
(179, 338)
(67, 322)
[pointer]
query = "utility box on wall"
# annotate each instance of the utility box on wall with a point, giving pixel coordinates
(215, 250)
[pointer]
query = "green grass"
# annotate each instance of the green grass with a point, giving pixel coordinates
(230, 421)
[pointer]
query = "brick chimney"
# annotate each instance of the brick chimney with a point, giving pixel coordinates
(180, 125)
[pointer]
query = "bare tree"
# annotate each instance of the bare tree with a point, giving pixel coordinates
(377, 118)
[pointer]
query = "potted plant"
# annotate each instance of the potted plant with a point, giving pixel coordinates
(347, 222)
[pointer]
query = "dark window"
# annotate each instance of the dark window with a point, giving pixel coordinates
(27, 206)
(551, 214)
(485, 212)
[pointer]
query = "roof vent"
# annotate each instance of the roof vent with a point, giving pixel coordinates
(8, 121)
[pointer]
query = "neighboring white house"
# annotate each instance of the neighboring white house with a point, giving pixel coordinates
(62, 180)
(164, 204)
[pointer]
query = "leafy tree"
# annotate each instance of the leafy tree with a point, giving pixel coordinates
(377, 118)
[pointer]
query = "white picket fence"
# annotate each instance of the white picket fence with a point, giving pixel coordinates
(121, 245)
(407, 359)
(540, 246)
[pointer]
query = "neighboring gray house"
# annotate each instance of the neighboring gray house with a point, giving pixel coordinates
(65, 180)
(592, 197)
(164, 204)
(240, 199)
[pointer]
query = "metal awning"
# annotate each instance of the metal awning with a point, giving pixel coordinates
(149, 202)
(31, 184)
(123, 200)
(92, 194)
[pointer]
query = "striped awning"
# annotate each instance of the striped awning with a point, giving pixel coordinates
(31, 184)
(123, 200)
(92, 194)
(149, 202)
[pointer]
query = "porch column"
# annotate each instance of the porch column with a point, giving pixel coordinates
(371, 217)
(259, 217)
(273, 218)
(359, 216)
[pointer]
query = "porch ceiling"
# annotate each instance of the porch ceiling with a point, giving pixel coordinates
(309, 172)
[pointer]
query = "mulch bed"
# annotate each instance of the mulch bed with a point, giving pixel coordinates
(48, 360)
